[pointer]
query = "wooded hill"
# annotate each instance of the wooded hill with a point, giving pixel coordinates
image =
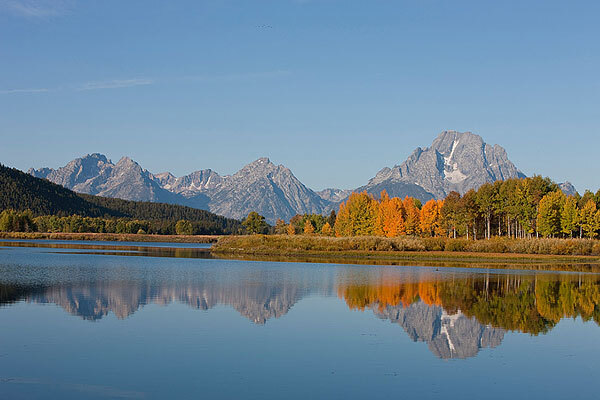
(20, 191)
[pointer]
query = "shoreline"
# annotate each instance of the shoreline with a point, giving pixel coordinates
(111, 237)
(336, 250)
(286, 248)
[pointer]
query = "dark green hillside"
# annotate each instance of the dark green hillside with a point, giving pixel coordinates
(20, 191)
(162, 211)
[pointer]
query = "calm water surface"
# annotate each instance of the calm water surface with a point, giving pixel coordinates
(86, 320)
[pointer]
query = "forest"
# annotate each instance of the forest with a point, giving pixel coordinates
(514, 208)
(30, 204)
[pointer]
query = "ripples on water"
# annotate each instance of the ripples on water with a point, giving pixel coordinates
(331, 313)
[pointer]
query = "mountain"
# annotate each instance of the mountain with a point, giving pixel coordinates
(269, 189)
(21, 191)
(447, 335)
(455, 161)
(96, 175)
(568, 188)
(190, 185)
(334, 195)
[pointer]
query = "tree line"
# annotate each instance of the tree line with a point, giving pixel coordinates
(25, 221)
(515, 208)
(34, 204)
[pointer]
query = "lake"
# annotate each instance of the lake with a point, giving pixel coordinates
(155, 321)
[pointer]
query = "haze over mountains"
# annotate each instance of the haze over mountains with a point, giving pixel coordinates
(455, 161)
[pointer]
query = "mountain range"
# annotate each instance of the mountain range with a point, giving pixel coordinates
(455, 161)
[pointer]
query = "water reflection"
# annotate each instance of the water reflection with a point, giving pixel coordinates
(532, 303)
(94, 300)
(455, 312)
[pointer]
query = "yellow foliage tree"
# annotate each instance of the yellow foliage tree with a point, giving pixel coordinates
(358, 216)
(291, 230)
(326, 230)
(309, 229)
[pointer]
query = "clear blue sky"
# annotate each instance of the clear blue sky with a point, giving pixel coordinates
(335, 90)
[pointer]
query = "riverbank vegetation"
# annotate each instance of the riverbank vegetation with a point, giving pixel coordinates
(110, 237)
(286, 244)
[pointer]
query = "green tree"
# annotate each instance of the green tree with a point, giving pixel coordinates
(184, 227)
(550, 213)
(451, 213)
(280, 227)
(485, 201)
(255, 223)
(569, 221)
(590, 219)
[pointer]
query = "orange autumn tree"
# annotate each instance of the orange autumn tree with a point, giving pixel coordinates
(390, 216)
(412, 223)
(431, 218)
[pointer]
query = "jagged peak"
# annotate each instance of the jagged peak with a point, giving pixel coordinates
(126, 160)
(260, 162)
(94, 156)
(164, 175)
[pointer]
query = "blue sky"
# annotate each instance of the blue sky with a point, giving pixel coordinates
(335, 90)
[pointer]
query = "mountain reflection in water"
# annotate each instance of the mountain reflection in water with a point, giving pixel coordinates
(455, 313)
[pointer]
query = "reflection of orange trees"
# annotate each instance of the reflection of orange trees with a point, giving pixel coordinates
(383, 294)
(523, 303)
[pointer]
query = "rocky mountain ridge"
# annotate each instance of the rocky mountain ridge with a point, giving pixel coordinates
(455, 161)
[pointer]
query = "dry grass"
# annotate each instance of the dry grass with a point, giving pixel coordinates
(284, 244)
(111, 237)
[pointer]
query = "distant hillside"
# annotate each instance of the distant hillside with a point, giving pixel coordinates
(21, 191)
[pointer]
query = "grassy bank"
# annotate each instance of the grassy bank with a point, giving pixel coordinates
(561, 254)
(111, 237)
